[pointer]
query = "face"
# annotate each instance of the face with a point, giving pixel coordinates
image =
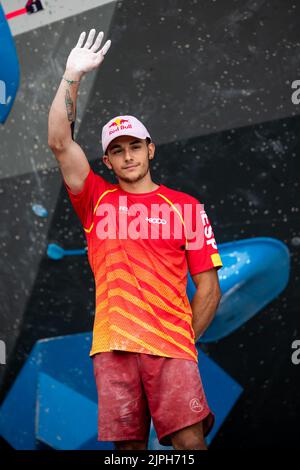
(129, 157)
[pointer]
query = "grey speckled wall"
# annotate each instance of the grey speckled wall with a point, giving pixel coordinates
(212, 82)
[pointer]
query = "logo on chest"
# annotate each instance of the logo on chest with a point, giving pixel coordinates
(137, 220)
(155, 220)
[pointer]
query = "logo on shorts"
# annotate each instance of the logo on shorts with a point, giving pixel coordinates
(196, 405)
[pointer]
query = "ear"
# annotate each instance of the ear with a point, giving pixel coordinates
(151, 147)
(106, 162)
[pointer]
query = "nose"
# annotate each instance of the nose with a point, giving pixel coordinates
(128, 154)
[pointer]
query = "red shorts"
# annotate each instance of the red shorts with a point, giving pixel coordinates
(133, 387)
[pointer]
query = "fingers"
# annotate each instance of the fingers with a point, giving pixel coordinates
(100, 55)
(106, 47)
(81, 39)
(98, 41)
(96, 44)
(90, 39)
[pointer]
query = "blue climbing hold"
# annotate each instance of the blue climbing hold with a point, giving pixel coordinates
(9, 70)
(255, 271)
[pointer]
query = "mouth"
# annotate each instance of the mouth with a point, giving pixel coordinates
(131, 166)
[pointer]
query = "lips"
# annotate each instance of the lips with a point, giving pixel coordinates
(131, 166)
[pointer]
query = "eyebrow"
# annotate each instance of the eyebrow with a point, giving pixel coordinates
(137, 141)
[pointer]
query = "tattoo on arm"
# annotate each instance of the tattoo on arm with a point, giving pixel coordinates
(70, 111)
(69, 106)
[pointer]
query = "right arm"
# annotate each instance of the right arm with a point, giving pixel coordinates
(69, 155)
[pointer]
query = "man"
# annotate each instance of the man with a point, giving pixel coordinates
(144, 354)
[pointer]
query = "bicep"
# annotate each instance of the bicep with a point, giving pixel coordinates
(208, 281)
(202, 251)
(73, 165)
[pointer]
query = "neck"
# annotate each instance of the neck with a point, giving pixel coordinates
(144, 185)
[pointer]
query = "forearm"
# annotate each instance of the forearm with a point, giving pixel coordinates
(83, 58)
(62, 113)
(204, 306)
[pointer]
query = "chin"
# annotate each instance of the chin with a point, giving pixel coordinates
(133, 178)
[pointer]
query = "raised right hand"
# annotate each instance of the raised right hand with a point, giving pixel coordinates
(87, 57)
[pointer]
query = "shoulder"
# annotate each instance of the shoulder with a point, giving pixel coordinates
(99, 182)
(179, 197)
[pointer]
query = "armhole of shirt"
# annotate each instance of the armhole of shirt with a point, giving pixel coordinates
(90, 176)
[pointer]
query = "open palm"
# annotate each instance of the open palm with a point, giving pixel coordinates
(87, 57)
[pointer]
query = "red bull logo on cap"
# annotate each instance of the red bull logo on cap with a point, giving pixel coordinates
(119, 125)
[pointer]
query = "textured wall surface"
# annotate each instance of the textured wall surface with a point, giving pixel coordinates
(212, 82)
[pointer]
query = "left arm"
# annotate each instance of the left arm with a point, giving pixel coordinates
(205, 300)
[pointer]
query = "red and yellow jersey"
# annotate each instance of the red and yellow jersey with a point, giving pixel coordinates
(140, 248)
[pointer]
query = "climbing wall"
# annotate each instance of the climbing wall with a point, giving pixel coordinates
(213, 84)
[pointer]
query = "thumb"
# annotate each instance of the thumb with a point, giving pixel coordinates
(102, 52)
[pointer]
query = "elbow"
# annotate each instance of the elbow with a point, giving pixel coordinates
(58, 141)
(51, 143)
(57, 145)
